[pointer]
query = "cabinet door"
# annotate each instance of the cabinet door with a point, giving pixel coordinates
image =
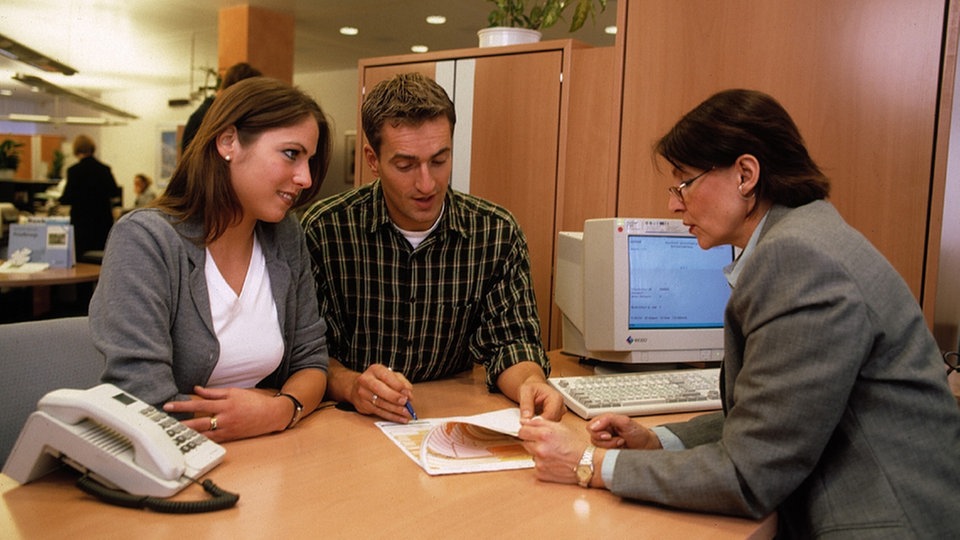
(516, 119)
(859, 77)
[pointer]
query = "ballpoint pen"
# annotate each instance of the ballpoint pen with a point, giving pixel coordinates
(410, 410)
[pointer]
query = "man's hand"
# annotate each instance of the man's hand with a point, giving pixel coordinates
(382, 392)
(526, 384)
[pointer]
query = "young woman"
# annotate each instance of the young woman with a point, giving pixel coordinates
(206, 302)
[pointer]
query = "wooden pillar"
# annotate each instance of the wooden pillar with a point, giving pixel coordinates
(261, 37)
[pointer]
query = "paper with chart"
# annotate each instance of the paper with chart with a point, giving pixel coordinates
(462, 444)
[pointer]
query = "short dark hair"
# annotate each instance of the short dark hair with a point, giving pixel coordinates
(200, 186)
(736, 122)
(83, 144)
(238, 72)
(407, 98)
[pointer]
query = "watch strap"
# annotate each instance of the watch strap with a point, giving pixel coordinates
(297, 409)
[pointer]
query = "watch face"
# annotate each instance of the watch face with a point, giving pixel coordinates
(584, 473)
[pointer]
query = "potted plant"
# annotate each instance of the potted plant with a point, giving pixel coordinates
(56, 165)
(9, 158)
(525, 19)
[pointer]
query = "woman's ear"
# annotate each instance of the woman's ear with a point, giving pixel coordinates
(227, 142)
(748, 168)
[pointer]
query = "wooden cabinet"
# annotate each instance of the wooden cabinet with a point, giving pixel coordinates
(519, 140)
(861, 78)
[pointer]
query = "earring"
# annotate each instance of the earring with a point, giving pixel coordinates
(227, 157)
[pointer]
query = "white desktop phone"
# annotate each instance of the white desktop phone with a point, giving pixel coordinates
(114, 438)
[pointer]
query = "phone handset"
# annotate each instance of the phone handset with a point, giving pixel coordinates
(134, 419)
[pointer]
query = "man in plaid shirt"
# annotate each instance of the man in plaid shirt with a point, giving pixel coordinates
(417, 281)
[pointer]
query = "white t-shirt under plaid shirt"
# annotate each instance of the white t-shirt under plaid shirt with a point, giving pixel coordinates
(464, 295)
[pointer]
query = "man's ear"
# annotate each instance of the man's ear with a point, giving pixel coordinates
(372, 160)
(227, 142)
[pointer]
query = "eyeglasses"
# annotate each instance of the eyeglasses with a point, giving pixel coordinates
(951, 359)
(677, 191)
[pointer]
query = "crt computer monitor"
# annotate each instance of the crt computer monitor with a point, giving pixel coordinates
(641, 291)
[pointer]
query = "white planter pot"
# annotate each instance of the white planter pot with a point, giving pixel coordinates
(502, 35)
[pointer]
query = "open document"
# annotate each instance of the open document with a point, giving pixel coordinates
(462, 444)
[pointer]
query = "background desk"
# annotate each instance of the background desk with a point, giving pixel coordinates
(43, 281)
(336, 475)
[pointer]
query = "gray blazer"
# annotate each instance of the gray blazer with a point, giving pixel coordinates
(150, 313)
(837, 411)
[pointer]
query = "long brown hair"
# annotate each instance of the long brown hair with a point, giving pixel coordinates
(200, 187)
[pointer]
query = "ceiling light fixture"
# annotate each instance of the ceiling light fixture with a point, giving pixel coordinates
(349, 31)
(436, 19)
(47, 119)
(86, 120)
(610, 30)
(50, 88)
(419, 48)
(17, 117)
(18, 51)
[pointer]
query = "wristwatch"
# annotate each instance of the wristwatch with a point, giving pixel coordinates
(297, 409)
(584, 469)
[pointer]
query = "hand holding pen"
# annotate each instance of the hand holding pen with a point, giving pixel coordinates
(385, 393)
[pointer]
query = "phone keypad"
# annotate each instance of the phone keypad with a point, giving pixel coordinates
(185, 438)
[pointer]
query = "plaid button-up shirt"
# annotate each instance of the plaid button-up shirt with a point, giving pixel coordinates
(464, 295)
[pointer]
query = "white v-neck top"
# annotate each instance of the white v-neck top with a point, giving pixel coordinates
(251, 344)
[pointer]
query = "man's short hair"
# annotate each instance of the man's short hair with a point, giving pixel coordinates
(407, 98)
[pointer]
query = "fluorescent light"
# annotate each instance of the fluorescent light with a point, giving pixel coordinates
(89, 120)
(50, 88)
(419, 48)
(349, 31)
(17, 117)
(436, 19)
(19, 51)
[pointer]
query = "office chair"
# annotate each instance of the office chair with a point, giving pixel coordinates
(37, 357)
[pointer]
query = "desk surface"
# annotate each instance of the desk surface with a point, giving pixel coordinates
(336, 475)
(82, 272)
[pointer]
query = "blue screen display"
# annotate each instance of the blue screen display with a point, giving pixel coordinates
(675, 284)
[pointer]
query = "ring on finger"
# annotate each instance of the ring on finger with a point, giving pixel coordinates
(374, 399)
(213, 423)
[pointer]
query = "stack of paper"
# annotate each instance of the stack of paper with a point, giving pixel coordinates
(462, 444)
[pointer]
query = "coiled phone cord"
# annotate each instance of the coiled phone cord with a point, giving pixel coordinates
(221, 499)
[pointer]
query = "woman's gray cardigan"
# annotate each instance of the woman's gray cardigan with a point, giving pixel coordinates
(150, 313)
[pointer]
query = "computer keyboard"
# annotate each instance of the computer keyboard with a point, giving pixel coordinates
(641, 393)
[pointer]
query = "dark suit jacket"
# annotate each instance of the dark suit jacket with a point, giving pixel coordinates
(193, 123)
(838, 413)
(89, 190)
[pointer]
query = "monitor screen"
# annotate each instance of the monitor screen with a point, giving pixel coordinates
(634, 290)
(674, 283)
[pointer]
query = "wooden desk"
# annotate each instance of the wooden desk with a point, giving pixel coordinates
(81, 273)
(43, 280)
(336, 475)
